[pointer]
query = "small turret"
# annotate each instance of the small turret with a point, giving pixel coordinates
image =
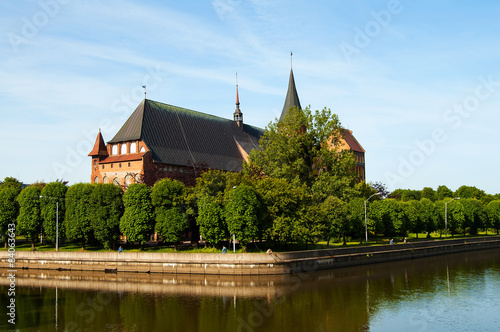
(238, 115)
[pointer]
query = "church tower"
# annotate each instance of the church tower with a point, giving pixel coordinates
(238, 115)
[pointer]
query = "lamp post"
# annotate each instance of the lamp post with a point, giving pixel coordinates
(446, 216)
(57, 219)
(366, 220)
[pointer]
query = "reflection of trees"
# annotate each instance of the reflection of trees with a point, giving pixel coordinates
(335, 300)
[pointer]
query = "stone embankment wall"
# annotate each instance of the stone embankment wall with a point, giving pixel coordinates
(240, 264)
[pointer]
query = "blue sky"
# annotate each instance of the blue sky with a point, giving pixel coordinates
(417, 81)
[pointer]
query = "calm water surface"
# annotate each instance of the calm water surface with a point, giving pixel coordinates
(459, 292)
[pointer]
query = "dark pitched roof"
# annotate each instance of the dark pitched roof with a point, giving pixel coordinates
(292, 97)
(99, 147)
(352, 141)
(177, 135)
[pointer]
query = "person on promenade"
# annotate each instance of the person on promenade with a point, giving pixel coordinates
(392, 241)
(405, 240)
(224, 250)
(120, 249)
(269, 251)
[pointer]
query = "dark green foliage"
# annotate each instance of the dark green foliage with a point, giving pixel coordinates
(301, 148)
(78, 222)
(9, 208)
(282, 201)
(211, 219)
(106, 209)
(137, 222)
(11, 182)
(171, 221)
(493, 213)
(469, 192)
(335, 212)
(429, 193)
(52, 199)
(443, 192)
(242, 213)
(29, 220)
(428, 215)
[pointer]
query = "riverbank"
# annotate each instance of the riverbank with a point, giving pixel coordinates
(239, 264)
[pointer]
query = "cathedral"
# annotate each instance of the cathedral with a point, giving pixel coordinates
(161, 140)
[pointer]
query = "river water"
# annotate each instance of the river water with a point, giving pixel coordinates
(458, 292)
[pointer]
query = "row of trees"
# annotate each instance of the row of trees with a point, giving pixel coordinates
(299, 187)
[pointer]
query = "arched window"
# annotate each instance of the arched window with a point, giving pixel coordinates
(124, 149)
(143, 149)
(96, 179)
(133, 147)
(128, 180)
(114, 149)
(117, 182)
(105, 179)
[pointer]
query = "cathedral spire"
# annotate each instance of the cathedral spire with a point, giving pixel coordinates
(292, 97)
(238, 115)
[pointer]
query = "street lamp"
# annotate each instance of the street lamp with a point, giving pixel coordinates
(57, 219)
(446, 216)
(366, 221)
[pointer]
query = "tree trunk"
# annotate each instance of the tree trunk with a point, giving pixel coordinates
(344, 240)
(83, 244)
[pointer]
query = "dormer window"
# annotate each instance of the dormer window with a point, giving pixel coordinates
(114, 150)
(123, 149)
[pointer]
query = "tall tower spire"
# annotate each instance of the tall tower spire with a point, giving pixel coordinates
(292, 97)
(238, 115)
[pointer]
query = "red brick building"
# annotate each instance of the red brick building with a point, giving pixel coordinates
(161, 139)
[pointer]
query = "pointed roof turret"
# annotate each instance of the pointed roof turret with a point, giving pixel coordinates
(292, 97)
(238, 115)
(99, 149)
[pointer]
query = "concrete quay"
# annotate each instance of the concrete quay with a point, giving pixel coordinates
(239, 264)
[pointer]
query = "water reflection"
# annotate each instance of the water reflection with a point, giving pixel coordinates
(454, 292)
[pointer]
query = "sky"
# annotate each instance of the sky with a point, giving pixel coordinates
(417, 81)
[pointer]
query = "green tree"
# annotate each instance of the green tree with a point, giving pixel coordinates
(78, 213)
(428, 214)
(106, 209)
(171, 221)
(375, 215)
(429, 193)
(137, 222)
(493, 213)
(456, 216)
(29, 220)
(211, 219)
(474, 216)
(334, 210)
(356, 218)
(9, 209)
(11, 182)
(282, 201)
(301, 148)
(52, 199)
(413, 211)
(469, 192)
(443, 192)
(242, 213)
